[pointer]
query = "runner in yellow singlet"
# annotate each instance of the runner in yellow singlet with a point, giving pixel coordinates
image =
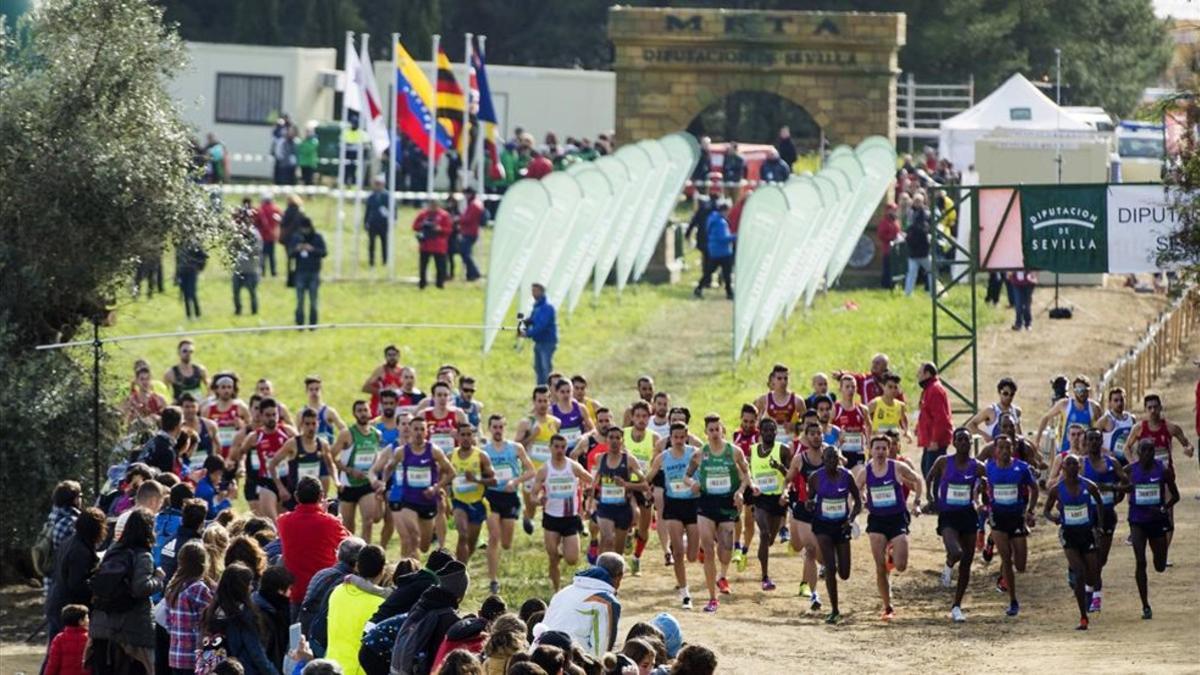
(472, 475)
(888, 411)
(534, 433)
(640, 442)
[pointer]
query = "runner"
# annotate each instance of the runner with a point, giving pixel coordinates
(744, 437)
(830, 433)
(639, 441)
(1152, 494)
(959, 480)
(660, 425)
(472, 475)
(1012, 498)
(385, 376)
(465, 401)
(1075, 434)
(679, 505)
(768, 464)
(1075, 409)
(1117, 423)
(511, 468)
(259, 447)
(557, 488)
(1156, 428)
(442, 419)
(356, 455)
(205, 429)
(720, 501)
(533, 433)
(989, 418)
(228, 412)
(591, 446)
(806, 461)
(781, 404)
(645, 389)
(186, 376)
(618, 474)
(828, 489)
(329, 422)
(1108, 475)
(854, 420)
(1022, 449)
(888, 410)
(143, 403)
(579, 386)
(422, 472)
(408, 397)
(820, 387)
(572, 421)
(1077, 499)
(887, 483)
(304, 454)
(390, 429)
(871, 384)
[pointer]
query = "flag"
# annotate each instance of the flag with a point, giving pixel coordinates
(352, 76)
(414, 105)
(449, 99)
(372, 115)
(486, 113)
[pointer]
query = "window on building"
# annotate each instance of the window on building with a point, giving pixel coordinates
(248, 99)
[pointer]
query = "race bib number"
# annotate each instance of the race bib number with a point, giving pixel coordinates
(1075, 514)
(419, 476)
(1163, 455)
(443, 442)
(572, 436)
(678, 487)
(461, 484)
(718, 485)
(225, 436)
(364, 460)
(833, 509)
(1147, 494)
(560, 488)
(1119, 442)
(612, 494)
(503, 474)
(883, 496)
(196, 461)
(1004, 494)
(767, 482)
(255, 463)
(308, 470)
(958, 495)
(539, 453)
(852, 442)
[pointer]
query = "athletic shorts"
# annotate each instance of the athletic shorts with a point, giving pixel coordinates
(643, 499)
(683, 510)
(963, 521)
(352, 494)
(890, 526)
(838, 530)
(800, 512)
(1159, 527)
(506, 504)
(660, 480)
(253, 485)
(747, 497)
(1108, 519)
(770, 504)
(620, 514)
(1079, 538)
(853, 459)
(719, 509)
(1010, 523)
(476, 512)
(567, 526)
(423, 511)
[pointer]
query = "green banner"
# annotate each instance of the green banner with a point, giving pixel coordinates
(1065, 229)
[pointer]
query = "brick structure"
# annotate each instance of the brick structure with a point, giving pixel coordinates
(672, 63)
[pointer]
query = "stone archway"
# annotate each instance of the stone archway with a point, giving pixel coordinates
(672, 63)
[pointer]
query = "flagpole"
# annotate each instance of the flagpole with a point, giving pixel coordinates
(364, 61)
(392, 166)
(432, 171)
(480, 159)
(341, 169)
(464, 139)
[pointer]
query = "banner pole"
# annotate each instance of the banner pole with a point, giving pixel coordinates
(431, 172)
(341, 172)
(392, 164)
(464, 139)
(480, 159)
(364, 61)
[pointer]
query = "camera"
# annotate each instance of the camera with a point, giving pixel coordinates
(523, 323)
(428, 229)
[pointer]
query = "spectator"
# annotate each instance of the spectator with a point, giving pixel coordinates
(694, 660)
(159, 452)
(322, 583)
(351, 605)
(774, 169)
(703, 163)
(735, 215)
(733, 171)
(785, 149)
(149, 270)
(309, 249)
(433, 227)
(887, 231)
(542, 328)
(271, 600)
(231, 615)
(306, 154)
(935, 427)
(190, 260)
(917, 239)
(208, 487)
(474, 217)
(122, 629)
(1023, 282)
(671, 632)
(191, 526)
(266, 220)
(244, 549)
(66, 500)
(143, 404)
(538, 166)
(218, 159)
(460, 662)
(75, 561)
(187, 595)
(514, 160)
(311, 537)
(168, 520)
(451, 207)
(720, 251)
(699, 224)
(588, 610)
(247, 262)
(430, 620)
(283, 151)
(465, 637)
(408, 586)
(506, 637)
(67, 647)
(375, 220)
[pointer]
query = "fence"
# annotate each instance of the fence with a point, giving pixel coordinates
(920, 108)
(1137, 371)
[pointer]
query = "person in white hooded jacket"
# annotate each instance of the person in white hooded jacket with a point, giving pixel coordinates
(588, 610)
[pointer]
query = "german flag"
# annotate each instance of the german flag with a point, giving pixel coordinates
(450, 101)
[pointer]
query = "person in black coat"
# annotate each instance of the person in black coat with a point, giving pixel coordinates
(785, 147)
(271, 599)
(191, 527)
(431, 618)
(409, 585)
(73, 566)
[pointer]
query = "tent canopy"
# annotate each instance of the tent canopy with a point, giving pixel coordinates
(1016, 104)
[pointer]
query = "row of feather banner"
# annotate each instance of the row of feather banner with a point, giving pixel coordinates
(587, 223)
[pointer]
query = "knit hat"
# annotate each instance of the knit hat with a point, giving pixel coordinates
(454, 578)
(672, 634)
(438, 559)
(555, 638)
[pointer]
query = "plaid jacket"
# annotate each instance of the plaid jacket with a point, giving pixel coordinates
(63, 519)
(183, 624)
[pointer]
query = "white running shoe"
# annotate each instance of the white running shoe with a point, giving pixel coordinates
(957, 615)
(855, 530)
(685, 598)
(947, 576)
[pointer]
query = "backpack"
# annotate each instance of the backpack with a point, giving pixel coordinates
(43, 550)
(112, 585)
(212, 651)
(412, 653)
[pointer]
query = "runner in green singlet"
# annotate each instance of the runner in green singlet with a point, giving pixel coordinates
(354, 453)
(713, 469)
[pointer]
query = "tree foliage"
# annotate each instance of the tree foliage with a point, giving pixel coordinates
(1182, 248)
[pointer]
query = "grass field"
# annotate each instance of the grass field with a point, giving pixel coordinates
(660, 330)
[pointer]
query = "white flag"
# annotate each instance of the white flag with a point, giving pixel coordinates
(374, 119)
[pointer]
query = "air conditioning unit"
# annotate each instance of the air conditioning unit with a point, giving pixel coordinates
(330, 79)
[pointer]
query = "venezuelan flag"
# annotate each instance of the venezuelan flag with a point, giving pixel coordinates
(414, 105)
(450, 100)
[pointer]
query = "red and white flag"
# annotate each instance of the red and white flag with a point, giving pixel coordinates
(362, 96)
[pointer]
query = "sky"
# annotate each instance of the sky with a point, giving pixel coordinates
(1179, 9)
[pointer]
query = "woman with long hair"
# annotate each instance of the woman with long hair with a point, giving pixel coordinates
(216, 540)
(187, 596)
(231, 623)
(122, 627)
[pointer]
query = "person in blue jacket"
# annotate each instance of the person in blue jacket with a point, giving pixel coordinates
(720, 250)
(542, 328)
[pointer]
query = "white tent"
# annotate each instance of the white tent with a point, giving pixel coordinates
(1016, 104)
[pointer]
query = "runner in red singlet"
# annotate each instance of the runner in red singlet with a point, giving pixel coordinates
(258, 447)
(745, 437)
(227, 411)
(385, 376)
(853, 419)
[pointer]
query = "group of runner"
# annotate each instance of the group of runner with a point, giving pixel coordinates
(798, 468)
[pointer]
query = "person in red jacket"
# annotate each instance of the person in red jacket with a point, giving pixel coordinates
(474, 215)
(66, 650)
(266, 220)
(433, 227)
(887, 231)
(935, 427)
(538, 165)
(309, 536)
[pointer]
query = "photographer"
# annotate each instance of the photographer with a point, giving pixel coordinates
(433, 227)
(542, 328)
